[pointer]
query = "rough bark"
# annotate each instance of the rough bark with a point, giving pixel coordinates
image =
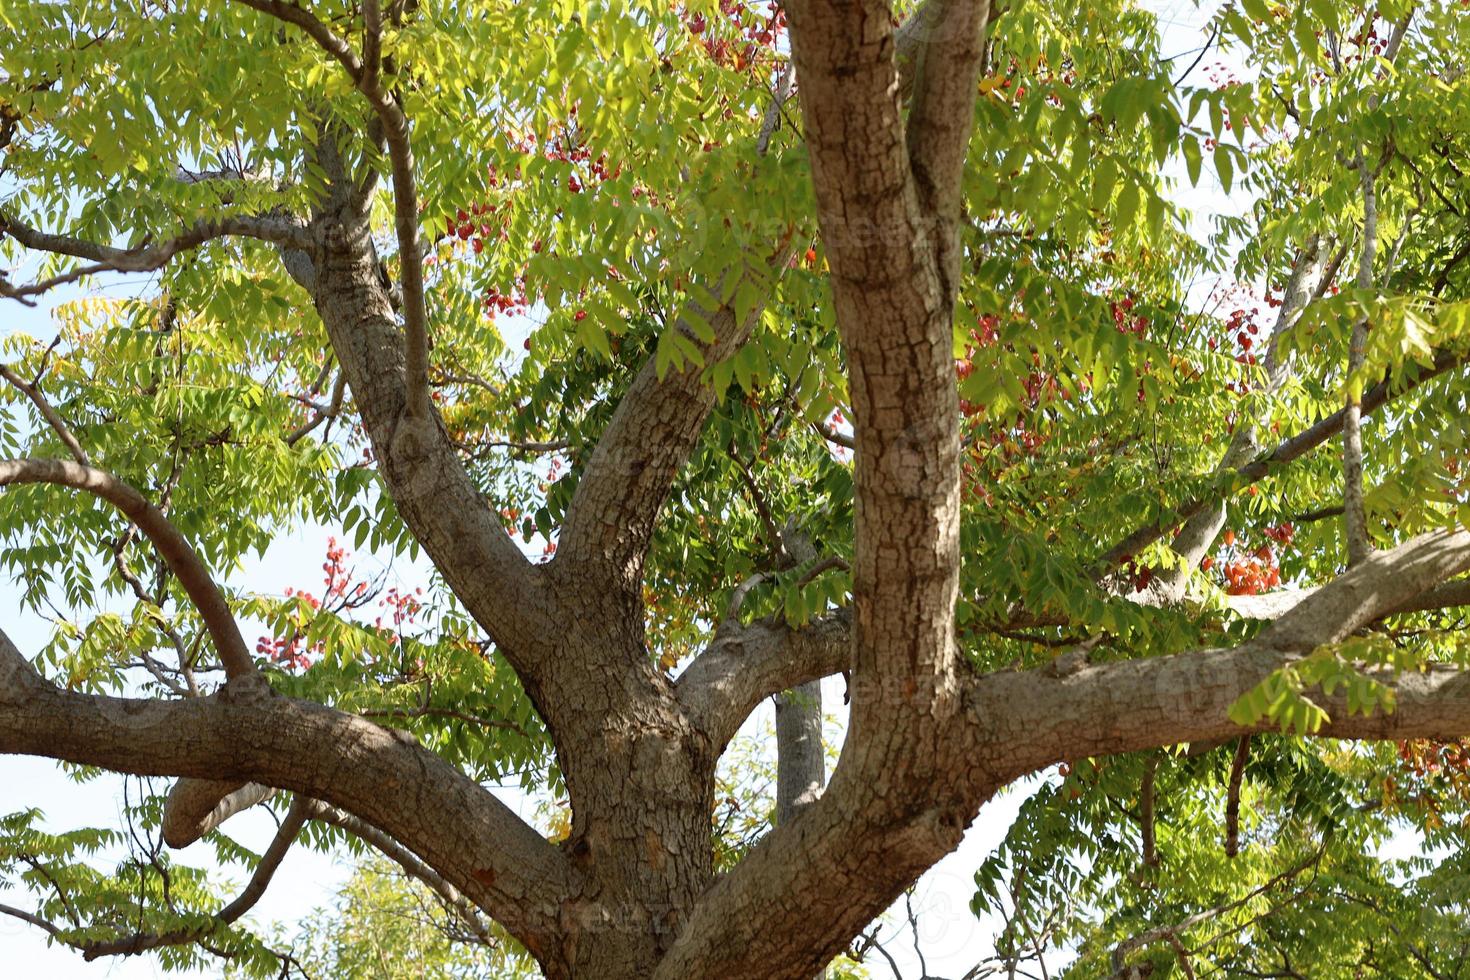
(631, 892)
(639, 775)
(652, 432)
(246, 733)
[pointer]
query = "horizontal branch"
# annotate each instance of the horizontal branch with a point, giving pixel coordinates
(1273, 605)
(245, 733)
(143, 258)
(743, 665)
(1103, 709)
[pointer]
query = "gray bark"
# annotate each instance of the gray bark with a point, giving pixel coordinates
(801, 765)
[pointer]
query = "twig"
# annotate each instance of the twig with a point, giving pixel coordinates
(53, 419)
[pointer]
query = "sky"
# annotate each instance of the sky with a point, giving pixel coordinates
(951, 938)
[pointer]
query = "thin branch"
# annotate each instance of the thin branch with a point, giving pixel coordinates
(773, 112)
(1232, 796)
(1146, 813)
(321, 413)
(1285, 452)
(53, 419)
(142, 258)
(286, 835)
(452, 897)
(1214, 32)
(835, 437)
(425, 711)
(1443, 278)
(825, 565)
(34, 920)
(1354, 519)
(1163, 933)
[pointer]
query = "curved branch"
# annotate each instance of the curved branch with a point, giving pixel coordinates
(197, 806)
(743, 666)
(274, 854)
(246, 733)
(652, 432)
(181, 558)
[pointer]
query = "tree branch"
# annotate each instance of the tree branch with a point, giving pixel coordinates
(1129, 706)
(367, 77)
(411, 864)
(652, 432)
(1199, 532)
(1354, 520)
(1170, 933)
(1146, 813)
(260, 880)
(416, 458)
(1232, 796)
(248, 734)
(197, 806)
(744, 665)
(181, 558)
(948, 55)
(53, 419)
(1284, 452)
(143, 258)
(874, 841)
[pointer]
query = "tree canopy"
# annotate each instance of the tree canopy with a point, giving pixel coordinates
(707, 350)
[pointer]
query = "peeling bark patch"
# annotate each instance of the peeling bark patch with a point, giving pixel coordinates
(485, 876)
(656, 851)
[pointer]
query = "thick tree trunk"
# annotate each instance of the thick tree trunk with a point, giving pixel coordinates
(640, 781)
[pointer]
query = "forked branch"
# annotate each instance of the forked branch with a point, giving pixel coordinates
(366, 75)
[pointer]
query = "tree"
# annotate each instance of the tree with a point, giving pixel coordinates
(874, 360)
